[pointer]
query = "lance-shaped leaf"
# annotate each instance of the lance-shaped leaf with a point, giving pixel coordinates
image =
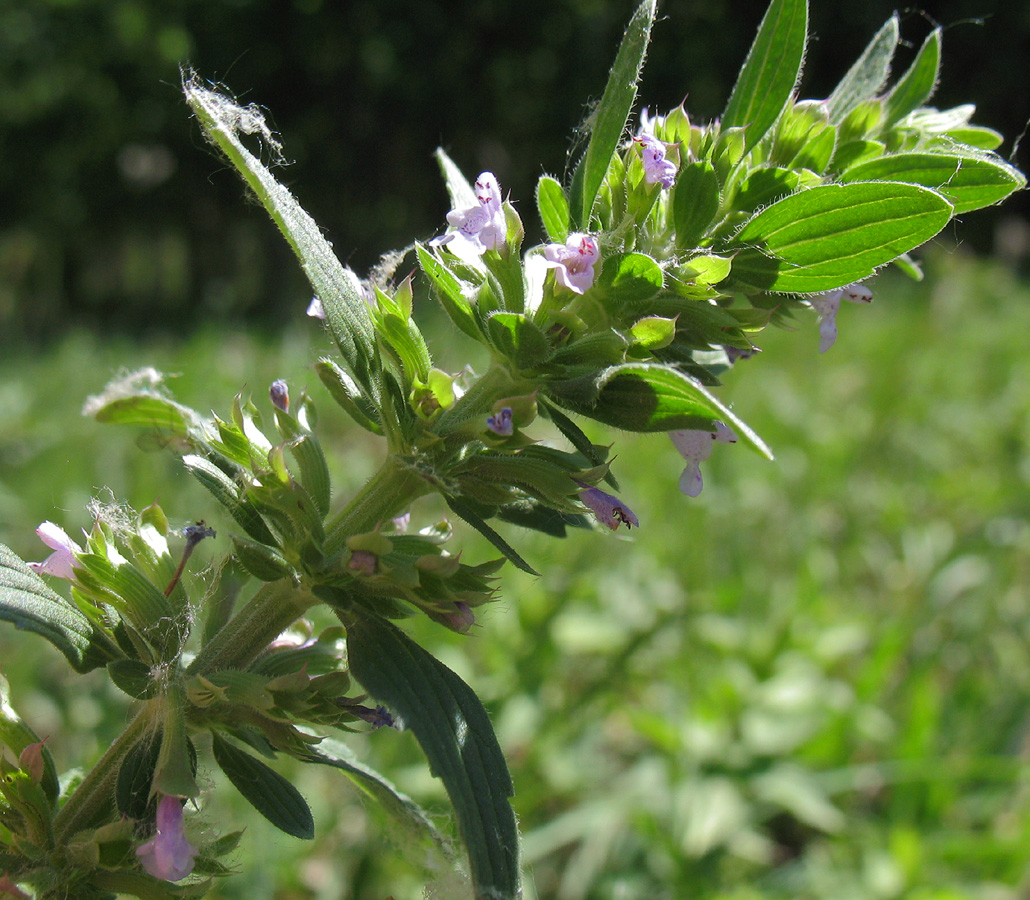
(265, 789)
(695, 201)
(831, 235)
(917, 85)
(770, 72)
(468, 514)
(347, 313)
(28, 604)
(554, 208)
(609, 119)
(462, 194)
(867, 75)
(417, 832)
(449, 290)
(649, 397)
(455, 733)
(968, 182)
(227, 492)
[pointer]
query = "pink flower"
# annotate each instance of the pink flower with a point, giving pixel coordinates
(481, 227)
(62, 562)
(573, 262)
(657, 169)
(828, 305)
(695, 446)
(168, 855)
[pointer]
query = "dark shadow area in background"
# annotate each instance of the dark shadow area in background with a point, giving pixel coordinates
(116, 216)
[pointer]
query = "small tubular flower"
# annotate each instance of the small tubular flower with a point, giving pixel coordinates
(573, 262)
(168, 855)
(279, 394)
(501, 423)
(657, 169)
(62, 562)
(609, 510)
(481, 227)
(828, 305)
(695, 446)
(315, 309)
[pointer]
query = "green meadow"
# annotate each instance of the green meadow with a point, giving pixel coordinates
(811, 681)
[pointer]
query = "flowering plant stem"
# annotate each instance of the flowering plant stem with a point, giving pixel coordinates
(91, 801)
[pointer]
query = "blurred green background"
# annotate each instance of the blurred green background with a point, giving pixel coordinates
(810, 682)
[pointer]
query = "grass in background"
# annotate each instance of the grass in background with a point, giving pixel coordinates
(809, 682)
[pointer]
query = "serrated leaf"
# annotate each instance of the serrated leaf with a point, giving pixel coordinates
(554, 208)
(265, 789)
(648, 397)
(867, 75)
(917, 85)
(968, 182)
(695, 202)
(771, 70)
(454, 731)
(609, 119)
(831, 235)
(28, 604)
(347, 313)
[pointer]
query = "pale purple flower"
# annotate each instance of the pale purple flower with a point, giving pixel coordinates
(363, 562)
(315, 308)
(168, 855)
(735, 353)
(657, 169)
(62, 562)
(500, 423)
(828, 305)
(695, 446)
(461, 620)
(609, 510)
(573, 261)
(279, 394)
(480, 227)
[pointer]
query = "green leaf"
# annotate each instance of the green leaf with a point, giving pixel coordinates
(517, 338)
(867, 75)
(917, 85)
(148, 411)
(771, 70)
(455, 733)
(462, 194)
(226, 492)
(265, 789)
(347, 313)
(28, 604)
(133, 677)
(695, 202)
(653, 332)
(554, 208)
(968, 182)
(575, 436)
(609, 119)
(348, 395)
(16, 736)
(834, 234)
(449, 290)
(763, 186)
(628, 279)
(134, 788)
(262, 561)
(468, 514)
(417, 830)
(648, 397)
